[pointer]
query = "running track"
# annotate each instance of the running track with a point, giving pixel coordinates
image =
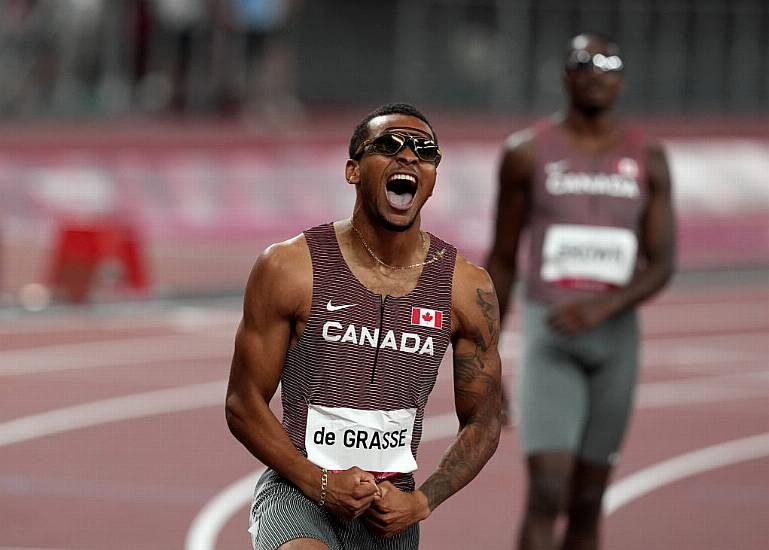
(112, 432)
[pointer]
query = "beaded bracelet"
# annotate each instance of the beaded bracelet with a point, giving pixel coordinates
(323, 485)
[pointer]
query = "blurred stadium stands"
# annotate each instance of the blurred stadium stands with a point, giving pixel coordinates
(217, 126)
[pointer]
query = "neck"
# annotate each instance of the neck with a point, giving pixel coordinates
(394, 248)
(590, 123)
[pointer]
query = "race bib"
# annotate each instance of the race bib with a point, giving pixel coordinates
(572, 254)
(338, 438)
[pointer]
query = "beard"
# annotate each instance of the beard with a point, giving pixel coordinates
(390, 226)
(592, 109)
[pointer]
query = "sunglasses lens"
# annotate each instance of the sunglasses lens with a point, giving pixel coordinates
(391, 144)
(581, 60)
(426, 150)
(611, 63)
(388, 144)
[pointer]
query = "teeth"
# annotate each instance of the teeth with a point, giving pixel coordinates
(408, 177)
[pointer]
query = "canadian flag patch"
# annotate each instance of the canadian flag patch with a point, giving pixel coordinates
(424, 317)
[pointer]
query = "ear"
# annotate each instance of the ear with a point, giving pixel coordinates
(352, 172)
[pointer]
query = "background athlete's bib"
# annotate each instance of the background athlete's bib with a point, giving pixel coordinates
(338, 438)
(573, 253)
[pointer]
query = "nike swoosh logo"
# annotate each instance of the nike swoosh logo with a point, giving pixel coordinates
(330, 307)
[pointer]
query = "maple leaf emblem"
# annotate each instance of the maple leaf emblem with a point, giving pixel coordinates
(427, 317)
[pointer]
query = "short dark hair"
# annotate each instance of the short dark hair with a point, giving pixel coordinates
(360, 133)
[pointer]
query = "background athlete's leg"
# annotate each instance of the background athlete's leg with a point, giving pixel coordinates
(588, 484)
(611, 389)
(552, 394)
(546, 497)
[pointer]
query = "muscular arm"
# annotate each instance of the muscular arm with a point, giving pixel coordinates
(516, 172)
(272, 299)
(657, 237)
(477, 393)
(278, 297)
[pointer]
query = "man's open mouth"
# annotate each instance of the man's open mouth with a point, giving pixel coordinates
(400, 190)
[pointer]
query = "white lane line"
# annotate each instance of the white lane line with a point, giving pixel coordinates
(703, 389)
(181, 320)
(116, 409)
(208, 394)
(214, 515)
(212, 518)
(111, 353)
(181, 347)
(190, 398)
(662, 351)
(205, 528)
(682, 466)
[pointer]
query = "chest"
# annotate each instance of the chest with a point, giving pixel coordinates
(387, 282)
(609, 190)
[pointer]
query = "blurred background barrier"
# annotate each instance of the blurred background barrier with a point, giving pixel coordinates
(268, 58)
(210, 128)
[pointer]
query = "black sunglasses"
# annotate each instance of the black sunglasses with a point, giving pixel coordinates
(582, 59)
(392, 143)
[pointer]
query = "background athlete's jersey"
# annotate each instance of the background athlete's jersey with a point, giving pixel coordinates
(361, 351)
(584, 217)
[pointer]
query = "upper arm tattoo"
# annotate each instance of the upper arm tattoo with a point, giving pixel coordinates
(473, 383)
(490, 312)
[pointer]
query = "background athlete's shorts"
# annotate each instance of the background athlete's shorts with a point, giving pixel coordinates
(576, 393)
(280, 512)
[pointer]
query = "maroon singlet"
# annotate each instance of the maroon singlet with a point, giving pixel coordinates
(337, 362)
(573, 194)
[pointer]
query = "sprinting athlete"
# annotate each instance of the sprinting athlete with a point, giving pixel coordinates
(595, 198)
(352, 318)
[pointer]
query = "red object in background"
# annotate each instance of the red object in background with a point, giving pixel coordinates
(85, 250)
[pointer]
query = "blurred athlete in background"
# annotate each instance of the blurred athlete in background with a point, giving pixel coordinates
(594, 196)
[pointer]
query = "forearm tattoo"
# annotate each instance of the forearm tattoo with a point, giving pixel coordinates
(477, 394)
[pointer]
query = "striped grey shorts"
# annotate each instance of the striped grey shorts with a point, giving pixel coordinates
(280, 512)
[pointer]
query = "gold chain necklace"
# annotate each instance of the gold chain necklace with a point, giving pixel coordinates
(433, 257)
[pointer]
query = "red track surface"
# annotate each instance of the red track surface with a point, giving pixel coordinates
(139, 483)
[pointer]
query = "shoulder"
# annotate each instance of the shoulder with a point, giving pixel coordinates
(519, 156)
(521, 139)
(657, 167)
(466, 273)
(520, 144)
(285, 257)
(472, 292)
(643, 141)
(523, 142)
(282, 273)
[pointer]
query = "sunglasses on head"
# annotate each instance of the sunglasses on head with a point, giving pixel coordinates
(582, 59)
(392, 143)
